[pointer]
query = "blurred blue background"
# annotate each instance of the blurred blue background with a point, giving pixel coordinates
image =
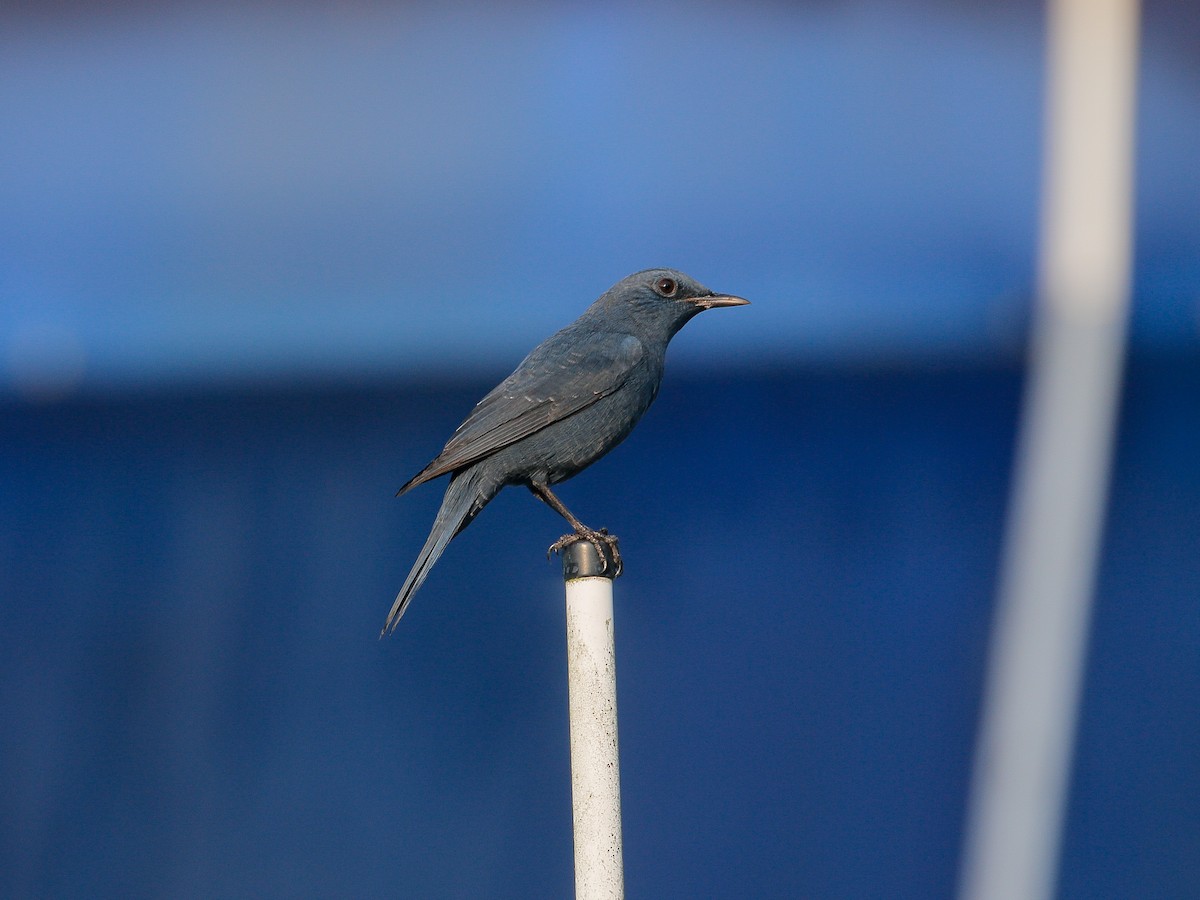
(257, 262)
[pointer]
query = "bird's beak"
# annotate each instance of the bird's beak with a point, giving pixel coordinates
(715, 300)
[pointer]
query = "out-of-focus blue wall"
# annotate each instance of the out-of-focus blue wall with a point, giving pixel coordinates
(196, 704)
(257, 262)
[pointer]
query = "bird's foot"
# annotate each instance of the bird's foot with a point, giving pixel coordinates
(598, 539)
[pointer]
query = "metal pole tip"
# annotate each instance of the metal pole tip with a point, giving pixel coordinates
(580, 559)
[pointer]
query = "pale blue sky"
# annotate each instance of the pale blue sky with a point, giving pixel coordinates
(229, 193)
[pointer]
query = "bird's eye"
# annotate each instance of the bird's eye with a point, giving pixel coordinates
(666, 286)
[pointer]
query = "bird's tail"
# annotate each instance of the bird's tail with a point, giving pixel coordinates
(465, 497)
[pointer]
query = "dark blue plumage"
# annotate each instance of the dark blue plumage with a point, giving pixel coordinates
(574, 398)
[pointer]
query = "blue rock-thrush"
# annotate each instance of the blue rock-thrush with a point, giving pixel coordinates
(574, 398)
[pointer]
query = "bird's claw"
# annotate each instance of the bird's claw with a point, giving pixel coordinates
(598, 539)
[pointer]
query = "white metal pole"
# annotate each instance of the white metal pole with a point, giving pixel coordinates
(1038, 652)
(592, 688)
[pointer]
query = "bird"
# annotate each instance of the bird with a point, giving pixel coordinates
(575, 396)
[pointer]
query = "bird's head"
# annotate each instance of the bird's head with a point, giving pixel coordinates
(662, 299)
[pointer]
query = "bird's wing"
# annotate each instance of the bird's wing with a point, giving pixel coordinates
(560, 377)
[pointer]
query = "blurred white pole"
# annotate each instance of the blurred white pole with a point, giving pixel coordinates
(592, 691)
(1039, 640)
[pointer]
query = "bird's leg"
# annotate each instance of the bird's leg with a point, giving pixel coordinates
(582, 532)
